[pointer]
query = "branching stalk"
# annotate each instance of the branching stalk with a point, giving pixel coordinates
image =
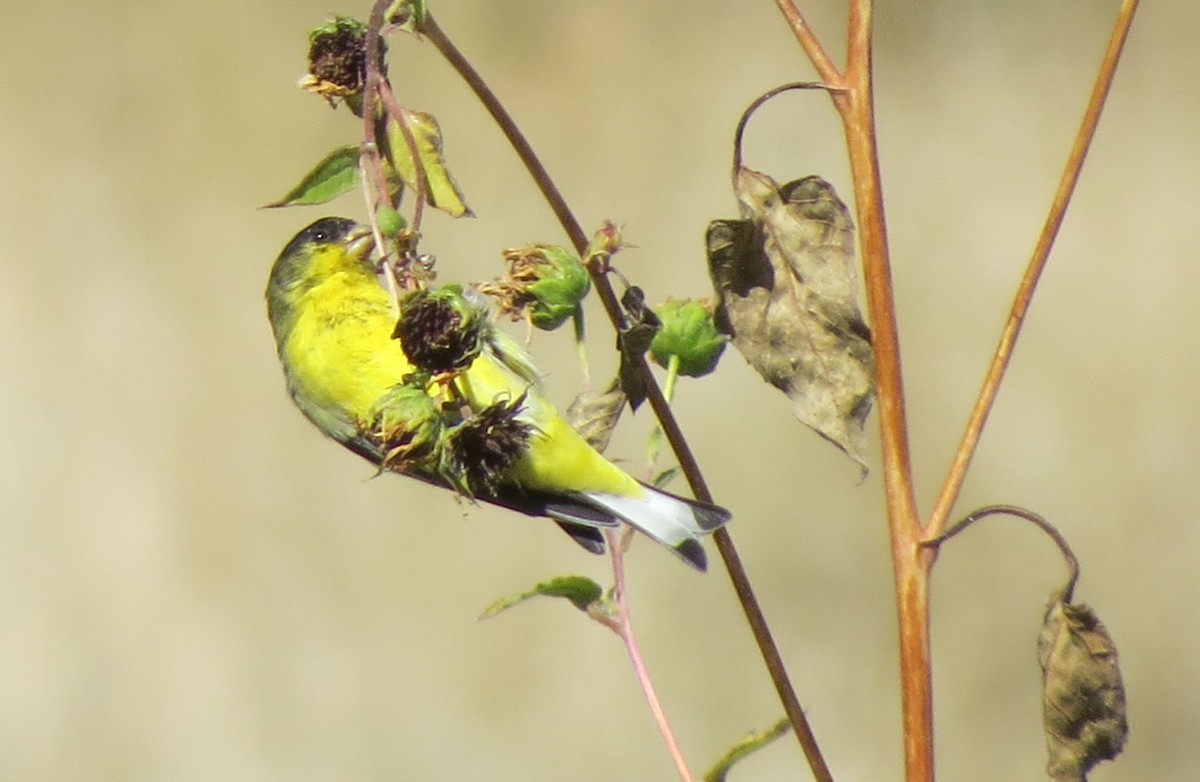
(912, 556)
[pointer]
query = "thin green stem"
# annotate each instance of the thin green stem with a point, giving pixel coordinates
(654, 446)
(580, 334)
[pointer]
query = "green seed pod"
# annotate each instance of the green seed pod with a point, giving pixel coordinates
(440, 330)
(391, 222)
(407, 426)
(689, 333)
(544, 280)
(562, 283)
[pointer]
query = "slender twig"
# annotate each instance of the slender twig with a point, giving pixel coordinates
(1041, 252)
(855, 103)
(687, 460)
(1028, 515)
(400, 115)
(370, 92)
(623, 626)
(431, 30)
(809, 42)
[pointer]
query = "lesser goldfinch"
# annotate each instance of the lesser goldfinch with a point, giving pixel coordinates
(335, 328)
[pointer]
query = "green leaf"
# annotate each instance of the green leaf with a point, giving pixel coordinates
(336, 174)
(442, 192)
(580, 590)
(407, 15)
(749, 744)
(665, 477)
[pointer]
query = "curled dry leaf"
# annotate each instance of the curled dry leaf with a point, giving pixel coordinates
(1083, 697)
(788, 294)
(633, 342)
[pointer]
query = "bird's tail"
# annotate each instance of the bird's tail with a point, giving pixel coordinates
(675, 522)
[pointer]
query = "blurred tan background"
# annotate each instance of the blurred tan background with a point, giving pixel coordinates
(195, 586)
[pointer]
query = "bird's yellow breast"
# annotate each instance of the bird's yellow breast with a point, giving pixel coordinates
(340, 353)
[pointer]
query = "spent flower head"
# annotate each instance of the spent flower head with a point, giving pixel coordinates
(337, 61)
(544, 281)
(440, 329)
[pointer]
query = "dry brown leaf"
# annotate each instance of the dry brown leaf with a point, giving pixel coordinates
(788, 293)
(595, 414)
(1083, 697)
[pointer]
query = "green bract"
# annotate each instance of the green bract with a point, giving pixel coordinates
(688, 333)
(407, 425)
(562, 282)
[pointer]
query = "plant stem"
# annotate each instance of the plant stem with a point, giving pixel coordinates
(911, 562)
(911, 576)
(624, 628)
(687, 461)
(1033, 272)
(398, 114)
(855, 103)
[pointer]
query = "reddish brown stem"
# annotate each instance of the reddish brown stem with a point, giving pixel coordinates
(911, 564)
(1033, 272)
(855, 103)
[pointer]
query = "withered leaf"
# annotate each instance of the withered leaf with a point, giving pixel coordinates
(595, 414)
(788, 298)
(1083, 697)
(633, 342)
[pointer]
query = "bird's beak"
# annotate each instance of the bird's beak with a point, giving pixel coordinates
(359, 242)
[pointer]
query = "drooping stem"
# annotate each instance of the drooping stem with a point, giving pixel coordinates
(1034, 518)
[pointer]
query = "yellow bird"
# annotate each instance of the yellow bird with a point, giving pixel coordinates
(336, 331)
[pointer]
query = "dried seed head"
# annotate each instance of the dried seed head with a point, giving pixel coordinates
(480, 450)
(337, 59)
(440, 330)
(543, 280)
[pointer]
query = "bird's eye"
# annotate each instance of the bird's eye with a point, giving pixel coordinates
(319, 235)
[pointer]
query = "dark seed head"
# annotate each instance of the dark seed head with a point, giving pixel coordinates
(482, 449)
(439, 330)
